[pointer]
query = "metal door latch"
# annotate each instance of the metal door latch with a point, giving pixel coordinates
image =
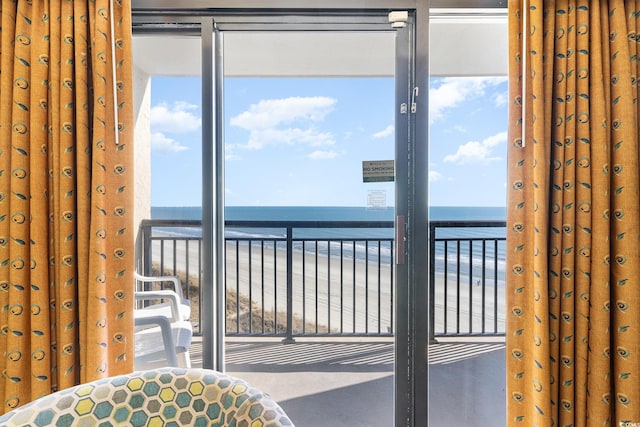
(398, 19)
(401, 239)
(414, 95)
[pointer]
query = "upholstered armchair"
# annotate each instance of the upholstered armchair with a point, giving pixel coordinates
(166, 396)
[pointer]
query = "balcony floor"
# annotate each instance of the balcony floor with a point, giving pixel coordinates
(349, 382)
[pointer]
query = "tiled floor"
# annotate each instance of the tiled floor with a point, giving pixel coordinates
(344, 382)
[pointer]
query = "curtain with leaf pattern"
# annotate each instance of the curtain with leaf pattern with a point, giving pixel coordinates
(573, 263)
(66, 237)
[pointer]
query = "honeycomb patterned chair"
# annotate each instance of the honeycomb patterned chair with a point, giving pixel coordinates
(162, 397)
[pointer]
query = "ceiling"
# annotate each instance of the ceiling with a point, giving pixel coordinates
(462, 43)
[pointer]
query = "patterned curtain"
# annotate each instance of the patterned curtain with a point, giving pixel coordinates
(66, 232)
(573, 275)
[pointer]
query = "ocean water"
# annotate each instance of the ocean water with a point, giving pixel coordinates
(458, 250)
(329, 213)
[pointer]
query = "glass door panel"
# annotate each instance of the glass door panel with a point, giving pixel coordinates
(467, 179)
(168, 135)
(309, 156)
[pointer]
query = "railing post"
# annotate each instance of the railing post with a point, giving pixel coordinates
(289, 338)
(432, 284)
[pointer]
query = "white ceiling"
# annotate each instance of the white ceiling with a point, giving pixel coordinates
(460, 45)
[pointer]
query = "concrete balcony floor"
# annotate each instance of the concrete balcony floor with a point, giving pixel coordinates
(349, 381)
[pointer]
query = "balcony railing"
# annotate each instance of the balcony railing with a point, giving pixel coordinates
(467, 278)
(334, 278)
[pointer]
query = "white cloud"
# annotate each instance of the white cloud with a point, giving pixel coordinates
(454, 91)
(434, 176)
(323, 155)
(230, 152)
(388, 131)
(260, 138)
(286, 121)
(270, 113)
(165, 145)
(175, 118)
(501, 99)
(477, 152)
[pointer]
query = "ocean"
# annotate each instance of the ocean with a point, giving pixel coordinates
(469, 251)
(329, 213)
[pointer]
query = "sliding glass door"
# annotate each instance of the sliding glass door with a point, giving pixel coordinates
(310, 291)
(342, 134)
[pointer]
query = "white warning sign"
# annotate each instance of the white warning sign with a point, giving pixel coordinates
(377, 199)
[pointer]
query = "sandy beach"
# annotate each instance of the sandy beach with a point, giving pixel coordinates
(322, 285)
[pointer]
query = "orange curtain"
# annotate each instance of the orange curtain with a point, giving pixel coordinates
(66, 229)
(573, 263)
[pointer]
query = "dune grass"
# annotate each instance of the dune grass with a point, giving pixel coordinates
(242, 316)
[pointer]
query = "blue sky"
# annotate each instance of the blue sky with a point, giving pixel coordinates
(301, 141)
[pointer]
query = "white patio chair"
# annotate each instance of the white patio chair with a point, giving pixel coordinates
(162, 324)
(168, 296)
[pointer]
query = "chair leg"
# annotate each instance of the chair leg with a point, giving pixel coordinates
(184, 360)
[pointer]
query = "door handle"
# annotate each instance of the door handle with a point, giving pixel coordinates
(401, 239)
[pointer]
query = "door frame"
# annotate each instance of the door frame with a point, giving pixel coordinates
(411, 375)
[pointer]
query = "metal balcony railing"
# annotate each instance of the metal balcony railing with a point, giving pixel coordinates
(467, 278)
(334, 278)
